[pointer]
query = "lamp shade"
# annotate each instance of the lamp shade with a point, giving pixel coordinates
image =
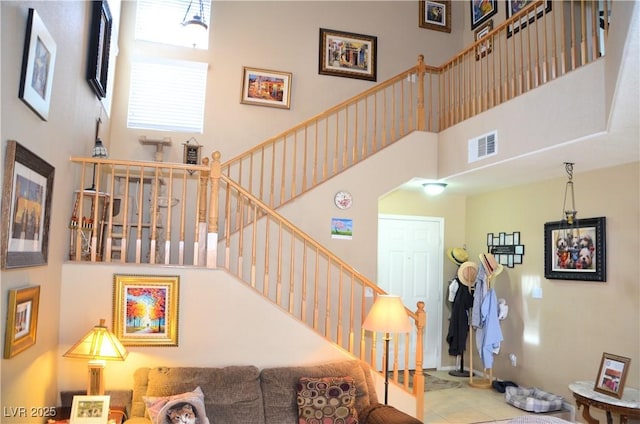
(99, 151)
(99, 343)
(387, 315)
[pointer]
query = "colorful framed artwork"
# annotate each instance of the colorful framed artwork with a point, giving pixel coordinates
(145, 309)
(516, 6)
(612, 375)
(99, 47)
(26, 211)
(481, 11)
(263, 87)
(345, 54)
(22, 320)
(89, 409)
(38, 62)
(435, 15)
(576, 252)
(485, 47)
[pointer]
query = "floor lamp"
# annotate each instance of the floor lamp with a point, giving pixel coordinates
(387, 315)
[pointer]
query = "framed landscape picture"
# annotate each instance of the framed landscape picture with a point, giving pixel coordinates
(145, 309)
(435, 15)
(346, 54)
(264, 87)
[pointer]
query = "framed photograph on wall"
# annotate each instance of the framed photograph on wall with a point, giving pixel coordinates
(263, 87)
(38, 62)
(346, 54)
(485, 47)
(516, 6)
(481, 10)
(89, 410)
(435, 15)
(576, 252)
(22, 320)
(612, 375)
(99, 46)
(26, 209)
(145, 309)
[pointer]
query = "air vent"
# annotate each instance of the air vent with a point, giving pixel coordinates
(483, 146)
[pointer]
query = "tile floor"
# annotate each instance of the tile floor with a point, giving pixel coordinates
(467, 404)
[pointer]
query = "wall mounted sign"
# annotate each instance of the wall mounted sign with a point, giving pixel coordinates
(506, 248)
(191, 153)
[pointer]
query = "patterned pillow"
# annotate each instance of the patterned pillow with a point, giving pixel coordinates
(158, 405)
(326, 400)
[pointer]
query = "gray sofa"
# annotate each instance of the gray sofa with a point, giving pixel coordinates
(247, 395)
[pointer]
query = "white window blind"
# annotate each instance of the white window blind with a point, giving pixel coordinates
(160, 21)
(167, 95)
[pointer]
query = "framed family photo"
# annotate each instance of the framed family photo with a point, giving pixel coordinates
(26, 211)
(38, 62)
(145, 309)
(612, 375)
(481, 11)
(22, 320)
(346, 54)
(99, 47)
(435, 15)
(517, 6)
(89, 410)
(263, 87)
(576, 252)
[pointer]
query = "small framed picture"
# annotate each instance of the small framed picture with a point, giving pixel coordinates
(89, 410)
(612, 375)
(263, 87)
(481, 10)
(345, 54)
(435, 15)
(22, 320)
(100, 43)
(484, 48)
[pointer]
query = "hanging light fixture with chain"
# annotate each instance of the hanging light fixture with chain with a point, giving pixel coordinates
(569, 215)
(198, 17)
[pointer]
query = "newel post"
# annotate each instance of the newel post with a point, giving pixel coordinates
(418, 383)
(215, 171)
(420, 69)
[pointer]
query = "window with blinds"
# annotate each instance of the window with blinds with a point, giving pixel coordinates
(160, 21)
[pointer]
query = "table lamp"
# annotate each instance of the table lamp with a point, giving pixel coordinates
(98, 346)
(387, 315)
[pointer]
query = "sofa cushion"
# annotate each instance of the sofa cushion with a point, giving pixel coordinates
(157, 406)
(279, 387)
(231, 394)
(326, 400)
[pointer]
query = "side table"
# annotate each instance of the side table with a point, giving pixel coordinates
(627, 407)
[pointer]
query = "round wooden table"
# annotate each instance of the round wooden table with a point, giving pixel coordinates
(627, 407)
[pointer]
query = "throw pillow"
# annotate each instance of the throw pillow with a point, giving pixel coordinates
(158, 406)
(326, 400)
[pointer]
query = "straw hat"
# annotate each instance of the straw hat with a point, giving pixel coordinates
(467, 273)
(457, 255)
(491, 267)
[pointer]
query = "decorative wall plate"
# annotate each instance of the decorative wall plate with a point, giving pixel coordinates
(343, 199)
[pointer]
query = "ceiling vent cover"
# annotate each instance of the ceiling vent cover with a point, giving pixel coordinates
(483, 146)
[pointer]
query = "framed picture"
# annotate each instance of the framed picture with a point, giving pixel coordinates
(481, 10)
(515, 6)
(484, 48)
(145, 309)
(263, 87)
(576, 252)
(26, 208)
(612, 375)
(38, 62)
(435, 15)
(99, 46)
(22, 320)
(345, 54)
(89, 410)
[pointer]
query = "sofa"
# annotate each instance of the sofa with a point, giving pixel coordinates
(247, 395)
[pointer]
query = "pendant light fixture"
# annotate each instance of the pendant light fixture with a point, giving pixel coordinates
(197, 19)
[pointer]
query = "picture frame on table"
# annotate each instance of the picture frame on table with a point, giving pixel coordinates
(612, 375)
(516, 6)
(575, 252)
(435, 15)
(90, 409)
(347, 54)
(485, 47)
(145, 309)
(263, 87)
(481, 11)
(99, 47)
(38, 64)
(22, 320)
(26, 211)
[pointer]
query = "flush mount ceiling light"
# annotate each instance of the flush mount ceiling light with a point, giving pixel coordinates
(434, 189)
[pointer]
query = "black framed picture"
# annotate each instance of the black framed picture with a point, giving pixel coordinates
(575, 252)
(481, 10)
(514, 7)
(99, 46)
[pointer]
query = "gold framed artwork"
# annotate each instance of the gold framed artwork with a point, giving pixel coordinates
(22, 320)
(435, 14)
(349, 55)
(145, 309)
(263, 87)
(612, 375)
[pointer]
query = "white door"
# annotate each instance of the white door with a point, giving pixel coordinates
(410, 252)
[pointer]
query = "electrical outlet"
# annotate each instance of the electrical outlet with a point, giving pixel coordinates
(514, 359)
